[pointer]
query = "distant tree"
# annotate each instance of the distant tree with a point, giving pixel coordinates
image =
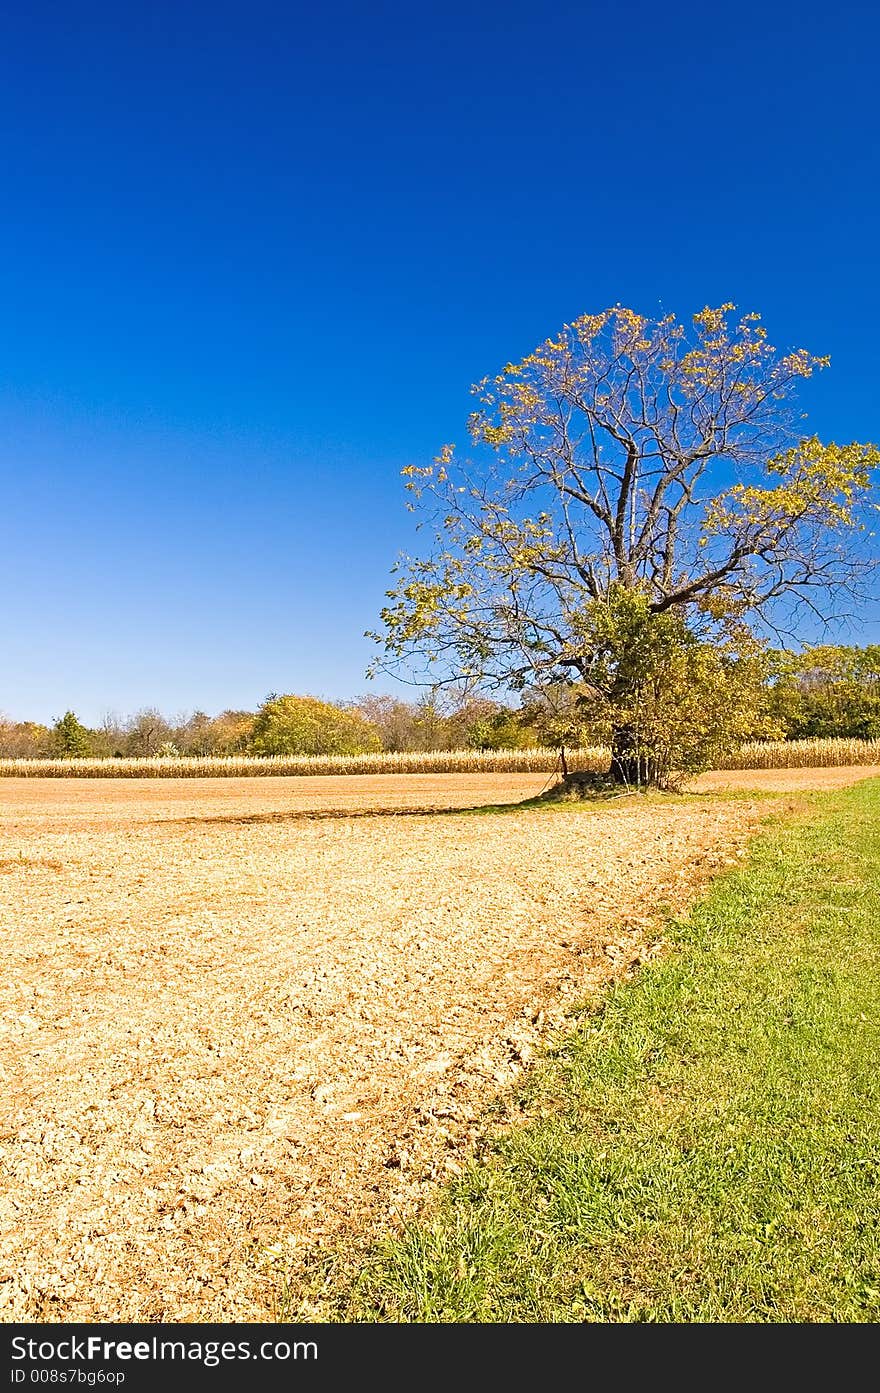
(466, 713)
(194, 735)
(304, 725)
(445, 719)
(431, 727)
(201, 734)
(100, 747)
(502, 730)
(637, 487)
(145, 732)
(70, 739)
(474, 721)
(394, 719)
(24, 739)
(828, 690)
(232, 731)
(110, 738)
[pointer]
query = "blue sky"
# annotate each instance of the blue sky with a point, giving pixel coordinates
(253, 256)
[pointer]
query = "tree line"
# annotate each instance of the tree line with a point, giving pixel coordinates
(283, 725)
(826, 690)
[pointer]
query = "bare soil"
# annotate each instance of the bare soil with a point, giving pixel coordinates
(238, 1017)
(783, 780)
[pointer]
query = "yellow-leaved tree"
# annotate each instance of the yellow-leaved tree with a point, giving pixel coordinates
(639, 509)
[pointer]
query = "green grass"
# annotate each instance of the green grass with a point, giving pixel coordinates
(705, 1146)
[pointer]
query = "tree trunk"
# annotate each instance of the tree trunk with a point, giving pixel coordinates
(629, 766)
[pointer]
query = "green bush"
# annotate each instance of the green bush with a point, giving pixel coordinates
(304, 725)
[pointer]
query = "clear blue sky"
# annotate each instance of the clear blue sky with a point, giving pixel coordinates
(253, 255)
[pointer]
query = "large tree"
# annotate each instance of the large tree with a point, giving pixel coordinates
(637, 489)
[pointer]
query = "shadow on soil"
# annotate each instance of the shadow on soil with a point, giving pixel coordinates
(547, 801)
(542, 802)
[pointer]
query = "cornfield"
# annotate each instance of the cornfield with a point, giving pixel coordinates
(536, 761)
(804, 754)
(781, 754)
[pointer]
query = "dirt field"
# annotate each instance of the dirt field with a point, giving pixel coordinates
(233, 1023)
(783, 780)
(83, 802)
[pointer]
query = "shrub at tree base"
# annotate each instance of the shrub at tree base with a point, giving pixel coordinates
(666, 704)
